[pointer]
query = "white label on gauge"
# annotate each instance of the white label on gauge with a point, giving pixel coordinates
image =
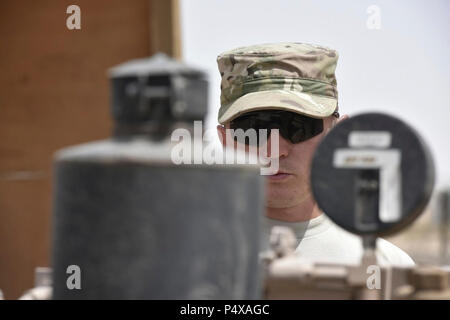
(388, 162)
(364, 139)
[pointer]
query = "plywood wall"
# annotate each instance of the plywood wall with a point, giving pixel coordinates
(54, 92)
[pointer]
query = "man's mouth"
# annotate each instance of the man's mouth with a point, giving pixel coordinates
(280, 175)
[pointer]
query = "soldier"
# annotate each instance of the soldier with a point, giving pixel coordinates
(292, 87)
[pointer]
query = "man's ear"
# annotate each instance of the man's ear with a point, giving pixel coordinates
(344, 117)
(221, 134)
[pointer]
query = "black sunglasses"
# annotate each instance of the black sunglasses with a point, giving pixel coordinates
(292, 126)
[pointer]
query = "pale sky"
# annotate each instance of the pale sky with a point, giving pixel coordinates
(401, 69)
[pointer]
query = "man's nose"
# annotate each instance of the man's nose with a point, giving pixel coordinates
(281, 143)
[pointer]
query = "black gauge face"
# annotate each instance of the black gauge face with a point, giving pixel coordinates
(372, 174)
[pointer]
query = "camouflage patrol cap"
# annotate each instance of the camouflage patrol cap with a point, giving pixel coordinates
(296, 77)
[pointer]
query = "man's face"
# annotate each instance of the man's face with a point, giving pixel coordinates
(290, 186)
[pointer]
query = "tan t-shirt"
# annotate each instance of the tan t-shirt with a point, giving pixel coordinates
(321, 240)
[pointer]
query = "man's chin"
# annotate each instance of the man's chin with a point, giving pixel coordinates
(280, 196)
(276, 205)
(277, 201)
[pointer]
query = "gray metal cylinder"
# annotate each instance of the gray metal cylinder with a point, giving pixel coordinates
(140, 227)
(128, 223)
